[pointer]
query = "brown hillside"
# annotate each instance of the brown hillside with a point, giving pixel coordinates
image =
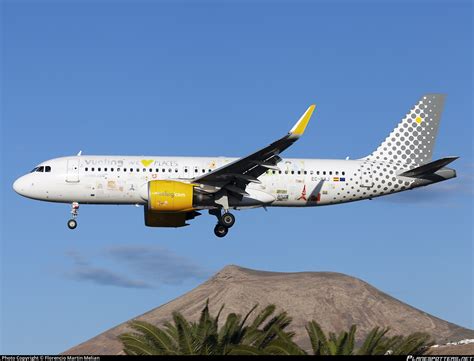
(334, 300)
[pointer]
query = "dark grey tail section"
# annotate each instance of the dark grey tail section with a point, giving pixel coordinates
(429, 168)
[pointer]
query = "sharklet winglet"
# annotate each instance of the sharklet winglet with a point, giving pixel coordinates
(300, 126)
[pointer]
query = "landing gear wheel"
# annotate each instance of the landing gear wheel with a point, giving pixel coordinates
(220, 230)
(227, 220)
(72, 223)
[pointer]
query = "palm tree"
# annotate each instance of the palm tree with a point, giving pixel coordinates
(375, 343)
(205, 337)
(331, 344)
(266, 334)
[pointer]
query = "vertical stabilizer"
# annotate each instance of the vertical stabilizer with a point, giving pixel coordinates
(412, 141)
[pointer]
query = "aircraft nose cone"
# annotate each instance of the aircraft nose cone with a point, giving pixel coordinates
(19, 186)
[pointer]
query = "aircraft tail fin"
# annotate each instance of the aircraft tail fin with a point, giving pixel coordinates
(412, 141)
(428, 168)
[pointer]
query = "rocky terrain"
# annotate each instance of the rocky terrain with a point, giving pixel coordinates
(334, 300)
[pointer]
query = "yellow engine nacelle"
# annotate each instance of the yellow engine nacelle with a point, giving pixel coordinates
(170, 196)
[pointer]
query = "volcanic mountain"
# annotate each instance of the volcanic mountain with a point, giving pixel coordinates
(334, 300)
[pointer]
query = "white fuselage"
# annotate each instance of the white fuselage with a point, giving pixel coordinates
(298, 183)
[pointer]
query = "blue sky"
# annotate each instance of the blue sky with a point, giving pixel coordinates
(208, 78)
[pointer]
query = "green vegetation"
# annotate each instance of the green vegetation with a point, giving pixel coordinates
(267, 334)
(375, 343)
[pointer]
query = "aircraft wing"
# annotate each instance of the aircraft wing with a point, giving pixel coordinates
(236, 175)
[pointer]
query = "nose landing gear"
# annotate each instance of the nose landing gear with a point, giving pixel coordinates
(72, 223)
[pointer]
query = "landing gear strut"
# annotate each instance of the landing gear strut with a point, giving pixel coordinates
(72, 223)
(224, 222)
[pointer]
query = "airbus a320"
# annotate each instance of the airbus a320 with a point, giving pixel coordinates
(174, 190)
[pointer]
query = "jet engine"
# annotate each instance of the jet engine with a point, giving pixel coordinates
(170, 196)
(171, 203)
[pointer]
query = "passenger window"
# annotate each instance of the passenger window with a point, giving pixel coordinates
(185, 170)
(286, 172)
(311, 172)
(292, 172)
(111, 169)
(92, 169)
(169, 170)
(105, 169)
(273, 172)
(330, 172)
(209, 170)
(138, 169)
(86, 169)
(157, 170)
(337, 172)
(163, 170)
(324, 172)
(195, 170)
(131, 169)
(125, 169)
(305, 172)
(98, 169)
(299, 172)
(176, 170)
(47, 168)
(150, 170)
(343, 173)
(279, 172)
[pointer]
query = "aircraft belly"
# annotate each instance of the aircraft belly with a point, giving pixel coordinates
(93, 190)
(255, 198)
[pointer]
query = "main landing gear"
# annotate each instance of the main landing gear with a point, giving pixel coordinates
(220, 230)
(72, 223)
(227, 220)
(224, 222)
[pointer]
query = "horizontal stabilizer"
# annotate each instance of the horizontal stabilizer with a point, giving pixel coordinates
(428, 168)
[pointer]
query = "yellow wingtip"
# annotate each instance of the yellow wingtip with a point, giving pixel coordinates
(300, 126)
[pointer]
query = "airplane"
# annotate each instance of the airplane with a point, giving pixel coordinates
(174, 190)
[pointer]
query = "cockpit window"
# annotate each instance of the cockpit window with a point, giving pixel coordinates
(41, 169)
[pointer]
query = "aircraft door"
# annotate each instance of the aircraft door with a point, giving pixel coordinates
(72, 175)
(366, 176)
